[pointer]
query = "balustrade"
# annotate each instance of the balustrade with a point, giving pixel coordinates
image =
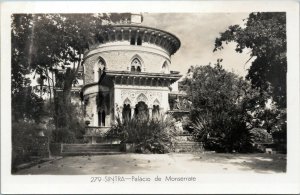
(96, 131)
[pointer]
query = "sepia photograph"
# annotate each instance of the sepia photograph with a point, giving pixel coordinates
(144, 93)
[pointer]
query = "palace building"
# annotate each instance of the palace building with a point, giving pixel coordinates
(127, 73)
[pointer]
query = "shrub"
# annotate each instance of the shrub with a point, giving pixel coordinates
(155, 135)
(74, 130)
(222, 135)
(261, 136)
(23, 134)
(63, 136)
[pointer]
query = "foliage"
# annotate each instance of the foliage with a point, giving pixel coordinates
(265, 34)
(43, 43)
(23, 134)
(261, 136)
(223, 104)
(153, 135)
(27, 106)
(63, 136)
(75, 131)
(223, 134)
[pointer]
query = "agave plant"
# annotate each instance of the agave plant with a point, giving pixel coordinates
(154, 135)
(201, 128)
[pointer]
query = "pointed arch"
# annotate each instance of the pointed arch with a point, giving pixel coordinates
(136, 64)
(127, 102)
(142, 98)
(156, 103)
(165, 67)
(99, 67)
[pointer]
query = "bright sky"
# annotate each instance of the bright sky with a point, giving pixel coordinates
(197, 33)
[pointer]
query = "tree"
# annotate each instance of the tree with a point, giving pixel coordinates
(265, 34)
(42, 43)
(222, 107)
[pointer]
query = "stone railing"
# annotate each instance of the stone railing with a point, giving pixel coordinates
(96, 131)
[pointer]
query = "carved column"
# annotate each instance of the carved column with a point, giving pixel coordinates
(115, 33)
(132, 111)
(161, 111)
(122, 31)
(150, 113)
(116, 110)
(120, 114)
(136, 36)
(129, 36)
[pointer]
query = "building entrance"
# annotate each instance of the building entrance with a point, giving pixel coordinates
(141, 111)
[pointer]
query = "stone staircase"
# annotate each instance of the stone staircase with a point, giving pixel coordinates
(90, 149)
(188, 146)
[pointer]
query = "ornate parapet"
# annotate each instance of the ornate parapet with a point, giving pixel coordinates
(136, 35)
(94, 131)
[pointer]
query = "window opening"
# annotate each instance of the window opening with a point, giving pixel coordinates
(139, 41)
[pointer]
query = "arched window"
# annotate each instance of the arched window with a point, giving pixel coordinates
(99, 67)
(136, 65)
(165, 67)
(132, 68)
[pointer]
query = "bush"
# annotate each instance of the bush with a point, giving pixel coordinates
(155, 135)
(74, 128)
(261, 136)
(222, 134)
(63, 136)
(23, 134)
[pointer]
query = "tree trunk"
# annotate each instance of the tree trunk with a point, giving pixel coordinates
(65, 110)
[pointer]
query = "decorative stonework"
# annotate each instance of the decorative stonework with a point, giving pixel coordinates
(96, 131)
(127, 101)
(125, 65)
(158, 37)
(156, 102)
(135, 96)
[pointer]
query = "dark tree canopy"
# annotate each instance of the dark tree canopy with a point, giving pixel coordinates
(220, 104)
(225, 108)
(265, 34)
(42, 43)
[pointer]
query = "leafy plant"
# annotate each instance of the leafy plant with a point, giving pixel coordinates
(23, 135)
(63, 136)
(265, 34)
(153, 135)
(223, 104)
(261, 136)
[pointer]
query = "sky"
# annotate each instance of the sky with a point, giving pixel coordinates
(197, 33)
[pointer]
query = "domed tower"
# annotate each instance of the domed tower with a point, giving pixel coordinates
(127, 74)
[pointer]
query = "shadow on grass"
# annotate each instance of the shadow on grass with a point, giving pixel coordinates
(262, 166)
(259, 163)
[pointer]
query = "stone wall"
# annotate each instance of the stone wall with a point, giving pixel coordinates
(93, 105)
(120, 60)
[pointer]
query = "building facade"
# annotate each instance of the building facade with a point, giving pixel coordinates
(127, 73)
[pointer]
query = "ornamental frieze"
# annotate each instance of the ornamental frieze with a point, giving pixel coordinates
(134, 96)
